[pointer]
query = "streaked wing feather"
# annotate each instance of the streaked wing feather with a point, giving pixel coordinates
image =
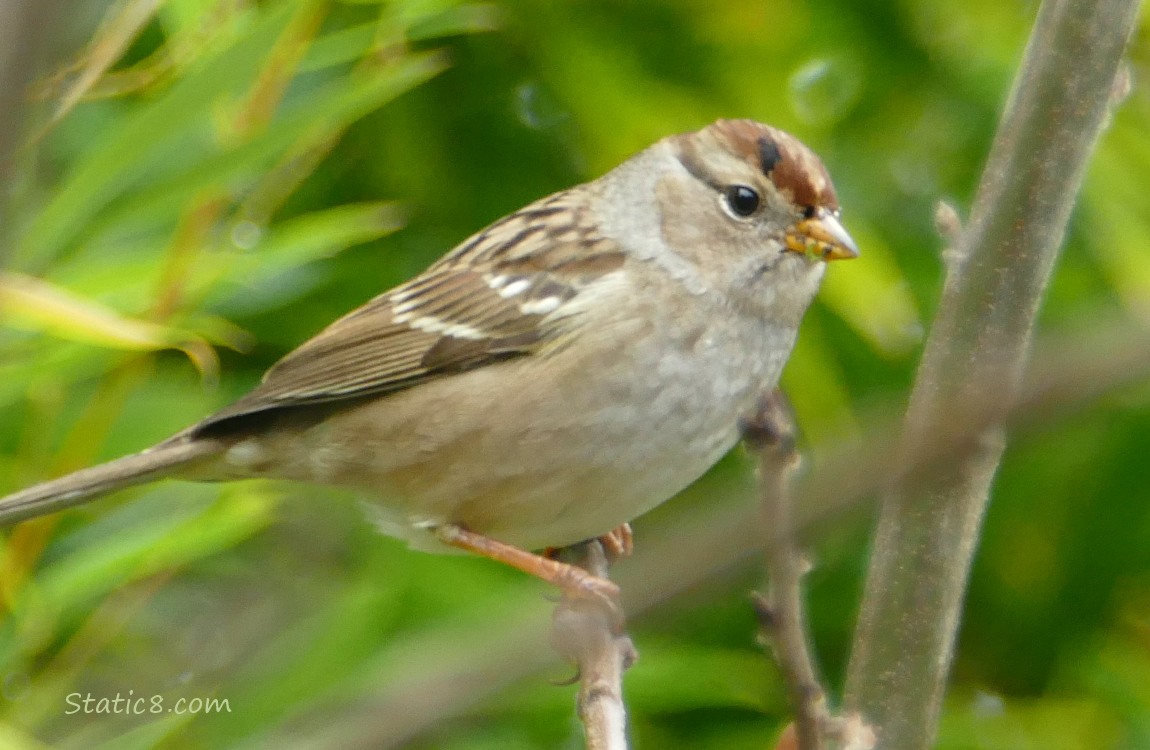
(494, 297)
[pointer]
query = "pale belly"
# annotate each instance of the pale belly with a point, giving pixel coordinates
(579, 446)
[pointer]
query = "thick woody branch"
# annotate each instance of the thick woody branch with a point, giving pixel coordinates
(587, 634)
(929, 522)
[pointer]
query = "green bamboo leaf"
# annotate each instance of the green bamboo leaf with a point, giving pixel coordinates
(327, 110)
(350, 44)
(120, 28)
(148, 141)
(340, 47)
(238, 280)
(31, 304)
(128, 545)
(190, 16)
(60, 362)
(469, 18)
(319, 234)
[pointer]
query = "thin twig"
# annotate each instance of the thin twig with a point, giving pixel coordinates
(586, 632)
(770, 433)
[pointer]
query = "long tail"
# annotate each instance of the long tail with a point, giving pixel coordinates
(87, 484)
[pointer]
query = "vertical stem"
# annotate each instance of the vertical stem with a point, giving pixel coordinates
(928, 525)
(25, 30)
(769, 433)
(588, 635)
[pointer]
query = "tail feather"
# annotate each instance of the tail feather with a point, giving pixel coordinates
(87, 484)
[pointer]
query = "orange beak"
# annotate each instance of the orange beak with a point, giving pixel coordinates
(821, 236)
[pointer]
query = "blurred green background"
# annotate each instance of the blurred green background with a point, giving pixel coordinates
(206, 183)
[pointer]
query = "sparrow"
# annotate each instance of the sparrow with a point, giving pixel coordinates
(553, 377)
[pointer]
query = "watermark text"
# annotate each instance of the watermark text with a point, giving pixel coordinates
(132, 704)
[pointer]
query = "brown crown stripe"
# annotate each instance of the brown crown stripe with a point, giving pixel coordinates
(793, 167)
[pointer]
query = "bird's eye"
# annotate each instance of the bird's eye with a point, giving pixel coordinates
(743, 200)
(809, 212)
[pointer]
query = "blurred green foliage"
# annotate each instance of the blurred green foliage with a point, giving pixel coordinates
(209, 176)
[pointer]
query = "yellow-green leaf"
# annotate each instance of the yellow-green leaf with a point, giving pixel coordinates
(33, 304)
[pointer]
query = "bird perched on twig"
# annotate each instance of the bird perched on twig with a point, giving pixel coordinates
(556, 375)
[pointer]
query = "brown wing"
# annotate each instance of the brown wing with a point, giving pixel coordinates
(505, 292)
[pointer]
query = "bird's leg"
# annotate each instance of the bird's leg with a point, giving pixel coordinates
(573, 581)
(619, 543)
